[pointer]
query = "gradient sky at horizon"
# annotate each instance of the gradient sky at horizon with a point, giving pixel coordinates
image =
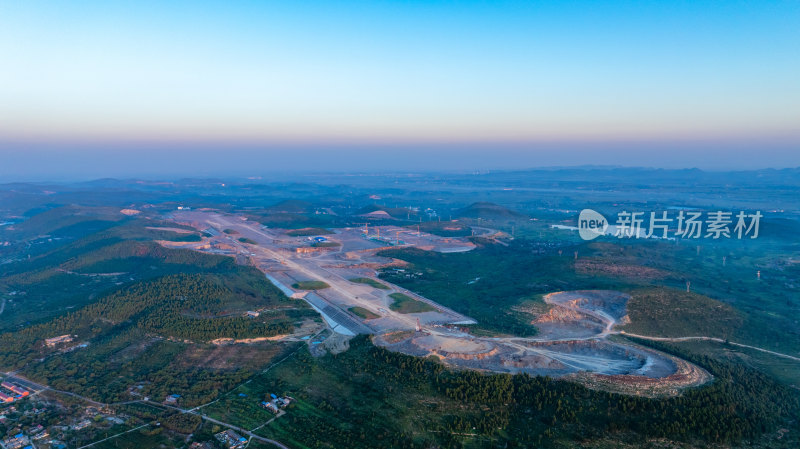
(111, 75)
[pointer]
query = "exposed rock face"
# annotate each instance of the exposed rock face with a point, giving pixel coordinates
(685, 375)
(559, 315)
(462, 356)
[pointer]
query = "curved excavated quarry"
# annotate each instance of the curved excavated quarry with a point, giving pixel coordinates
(573, 342)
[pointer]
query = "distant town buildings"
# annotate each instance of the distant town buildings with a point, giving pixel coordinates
(10, 392)
(38, 433)
(16, 442)
(231, 439)
(41, 423)
(270, 406)
(82, 425)
(204, 445)
(275, 404)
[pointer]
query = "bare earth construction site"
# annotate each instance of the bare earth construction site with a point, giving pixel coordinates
(336, 275)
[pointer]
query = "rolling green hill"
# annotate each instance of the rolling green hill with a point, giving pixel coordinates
(666, 312)
(489, 211)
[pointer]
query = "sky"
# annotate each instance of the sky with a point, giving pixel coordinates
(96, 88)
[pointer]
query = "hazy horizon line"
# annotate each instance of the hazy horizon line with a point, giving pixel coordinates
(255, 178)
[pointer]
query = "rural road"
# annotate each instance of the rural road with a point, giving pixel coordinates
(245, 432)
(221, 423)
(114, 436)
(718, 340)
(34, 385)
(31, 385)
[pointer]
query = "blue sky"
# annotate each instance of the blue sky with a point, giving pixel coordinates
(79, 77)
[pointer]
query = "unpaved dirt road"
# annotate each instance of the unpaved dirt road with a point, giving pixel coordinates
(718, 340)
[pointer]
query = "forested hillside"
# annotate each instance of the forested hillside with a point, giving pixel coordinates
(404, 401)
(138, 314)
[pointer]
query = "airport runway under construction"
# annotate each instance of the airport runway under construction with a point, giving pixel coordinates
(572, 342)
